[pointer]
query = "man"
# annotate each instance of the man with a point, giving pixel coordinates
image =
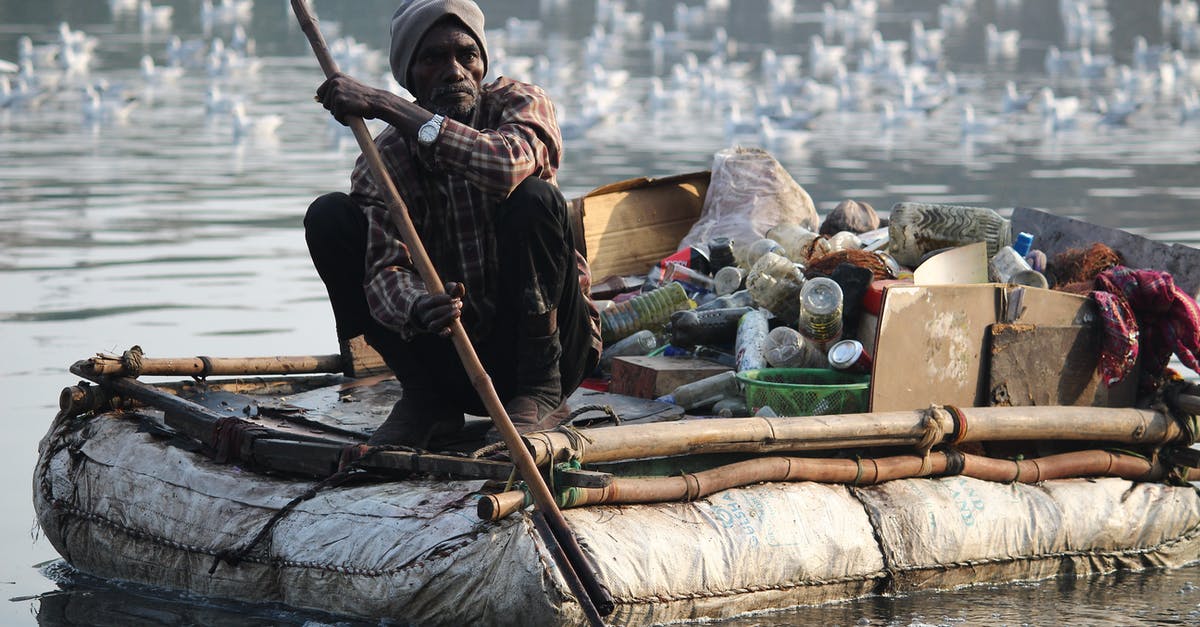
(475, 165)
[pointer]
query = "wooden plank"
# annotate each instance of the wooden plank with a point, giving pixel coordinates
(1050, 365)
(631, 225)
(1054, 234)
(652, 377)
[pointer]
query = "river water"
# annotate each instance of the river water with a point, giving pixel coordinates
(167, 230)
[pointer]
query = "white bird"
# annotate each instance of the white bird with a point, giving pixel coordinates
(1116, 111)
(1014, 101)
(778, 139)
(154, 18)
(75, 49)
(1189, 106)
(180, 54)
(216, 101)
(1002, 44)
(972, 125)
(159, 76)
(1058, 113)
(261, 127)
(926, 45)
(8, 67)
(660, 99)
(99, 107)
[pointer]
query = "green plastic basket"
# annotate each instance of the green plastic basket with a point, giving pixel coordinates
(805, 391)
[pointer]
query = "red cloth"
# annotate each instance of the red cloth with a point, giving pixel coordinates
(1145, 313)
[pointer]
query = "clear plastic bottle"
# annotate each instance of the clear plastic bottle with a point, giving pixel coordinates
(704, 392)
(1008, 266)
(794, 239)
(786, 348)
(821, 312)
(918, 228)
(758, 249)
(640, 343)
(650, 310)
(775, 283)
(845, 240)
(751, 341)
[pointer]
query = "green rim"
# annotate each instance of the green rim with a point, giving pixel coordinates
(818, 378)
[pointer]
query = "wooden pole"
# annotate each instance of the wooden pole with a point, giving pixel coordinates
(897, 428)
(218, 366)
(591, 594)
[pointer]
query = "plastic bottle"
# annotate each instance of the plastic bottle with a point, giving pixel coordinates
(740, 298)
(704, 392)
(821, 312)
(731, 407)
(756, 250)
(640, 343)
(711, 326)
(845, 240)
(775, 283)
(1008, 266)
(728, 280)
(680, 273)
(751, 341)
(918, 228)
(786, 348)
(794, 239)
(720, 254)
(650, 310)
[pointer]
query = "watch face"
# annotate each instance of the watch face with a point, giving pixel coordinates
(427, 133)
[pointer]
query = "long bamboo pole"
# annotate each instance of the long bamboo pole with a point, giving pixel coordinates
(692, 486)
(585, 584)
(218, 366)
(896, 428)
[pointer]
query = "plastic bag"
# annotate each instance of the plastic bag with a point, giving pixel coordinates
(750, 192)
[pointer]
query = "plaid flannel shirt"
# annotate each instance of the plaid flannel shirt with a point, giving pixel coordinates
(450, 190)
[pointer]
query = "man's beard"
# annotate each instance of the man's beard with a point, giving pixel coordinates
(443, 102)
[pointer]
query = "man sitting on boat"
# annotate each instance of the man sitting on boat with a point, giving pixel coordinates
(475, 164)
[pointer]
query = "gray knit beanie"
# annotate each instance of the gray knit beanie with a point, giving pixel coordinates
(415, 17)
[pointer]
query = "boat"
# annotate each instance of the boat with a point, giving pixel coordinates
(250, 481)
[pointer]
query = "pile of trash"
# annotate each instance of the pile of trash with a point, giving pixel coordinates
(759, 284)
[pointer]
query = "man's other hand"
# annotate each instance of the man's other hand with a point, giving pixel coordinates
(436, 312)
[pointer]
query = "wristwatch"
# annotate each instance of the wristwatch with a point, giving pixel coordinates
(429, 131)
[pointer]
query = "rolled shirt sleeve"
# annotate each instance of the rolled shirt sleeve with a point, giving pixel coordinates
(526, 142)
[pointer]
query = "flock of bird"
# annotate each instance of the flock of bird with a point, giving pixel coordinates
(762, 95)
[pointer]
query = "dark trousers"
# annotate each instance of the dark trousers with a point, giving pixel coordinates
(537, 272)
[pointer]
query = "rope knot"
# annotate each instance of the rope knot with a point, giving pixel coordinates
(131, 361)
(932, 436)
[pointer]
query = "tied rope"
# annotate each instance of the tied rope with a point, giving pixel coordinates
(932, 436)
(233, 557)
(131, 361)
(233, 435)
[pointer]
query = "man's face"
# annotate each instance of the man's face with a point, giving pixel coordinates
(447, 71)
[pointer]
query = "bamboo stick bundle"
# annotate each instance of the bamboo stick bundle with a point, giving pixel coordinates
(692, 486)
(918, 428)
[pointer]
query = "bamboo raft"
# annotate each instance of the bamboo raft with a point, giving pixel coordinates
(251, 481)
(680, 518)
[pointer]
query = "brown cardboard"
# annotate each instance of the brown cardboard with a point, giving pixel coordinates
(932, 342)
(631, 225)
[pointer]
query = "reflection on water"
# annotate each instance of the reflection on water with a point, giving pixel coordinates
(147, 218)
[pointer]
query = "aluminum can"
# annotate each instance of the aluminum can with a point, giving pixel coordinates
(849, 356)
